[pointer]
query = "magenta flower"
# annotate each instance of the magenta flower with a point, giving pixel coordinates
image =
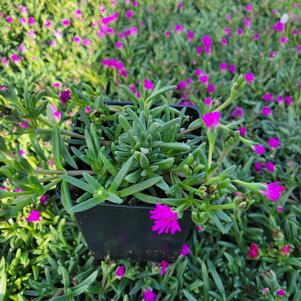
(267, 96)
(118, 44)
(66, 22)
(249, 7)
(223, 67)
(280, 209)
(22, 153)
(149, 295)
(210, 88)
(257, 166)
(120, 271)
(274, 142)
(65, 96)
(190, 35)
(148, 85)
(258, 149)
(238, 112)
(129, 14)
(9, 19)
(247, 22)
(240, 31)
(254, 251)
(266, 111)
(211, 119)
(178, 28)
(249, 77)
(165, 219)
(224, 41)
(34, 216)
(76, 39)
(88, 110)
(281, 292)
(285, 250)
(207, 101)
(47, 23)
(232, 68)
(164, 267)
(270, 166)
(279, 27)
(288, 100)
(167, 34)
(206, 40)
(273, 191)
(242, 131)
(31, 20)
(299, 48)
(256, 36)
(185, 250)
(204, 79)
(43, 199)
(283, 40)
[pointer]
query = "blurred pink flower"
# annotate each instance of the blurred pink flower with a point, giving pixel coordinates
(129, 14)
(120, 271)
(65, 96)
(254, 251)
(280, 209)
(258, 149)
(257, 166)
(211, 88)
(165, 219)
(88, 110)
(178, 28)
(148, 85)
(185, 251)
(279, 27)
(223, 67)
(249, 7)
(164, 267)
(283, 40)
(267, 96)
(281, 292)
(207, 101)
(273, 142)
(238, 112)
(285, 250)
(249, 77)
(47, 23)
(43, 199)
(266, 111)
(9, 19)
(31, 20)
(76, 39)
(34, 216)
(270, 166)
(211, 119)
(190, 35)
(149, 295)
(232, 68)
(288, 100)
(273, 191)
(66, 22)
(240, 31)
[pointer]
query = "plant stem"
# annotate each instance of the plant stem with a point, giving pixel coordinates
(210, 153)
(190, 130)
(65, 133)
(222, 206)
(58, 172)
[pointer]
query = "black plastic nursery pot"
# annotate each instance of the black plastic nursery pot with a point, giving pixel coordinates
(125, 231)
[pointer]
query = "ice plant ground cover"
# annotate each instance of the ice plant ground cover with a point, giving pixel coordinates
(52, 50)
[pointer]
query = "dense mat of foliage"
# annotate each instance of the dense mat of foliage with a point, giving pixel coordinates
(199, 46)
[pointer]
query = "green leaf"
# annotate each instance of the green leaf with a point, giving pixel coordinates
(91, 181)
(189, 296)
(216, 277)
(158, 92)
(156, 200)
(84, 285)
(65, 196)
(114, 198)
(56, 137)
(90, 203)
(3, 280)
(121, 174)
(78, 183)
(140, 186)
(106, 163)
(175, 147)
